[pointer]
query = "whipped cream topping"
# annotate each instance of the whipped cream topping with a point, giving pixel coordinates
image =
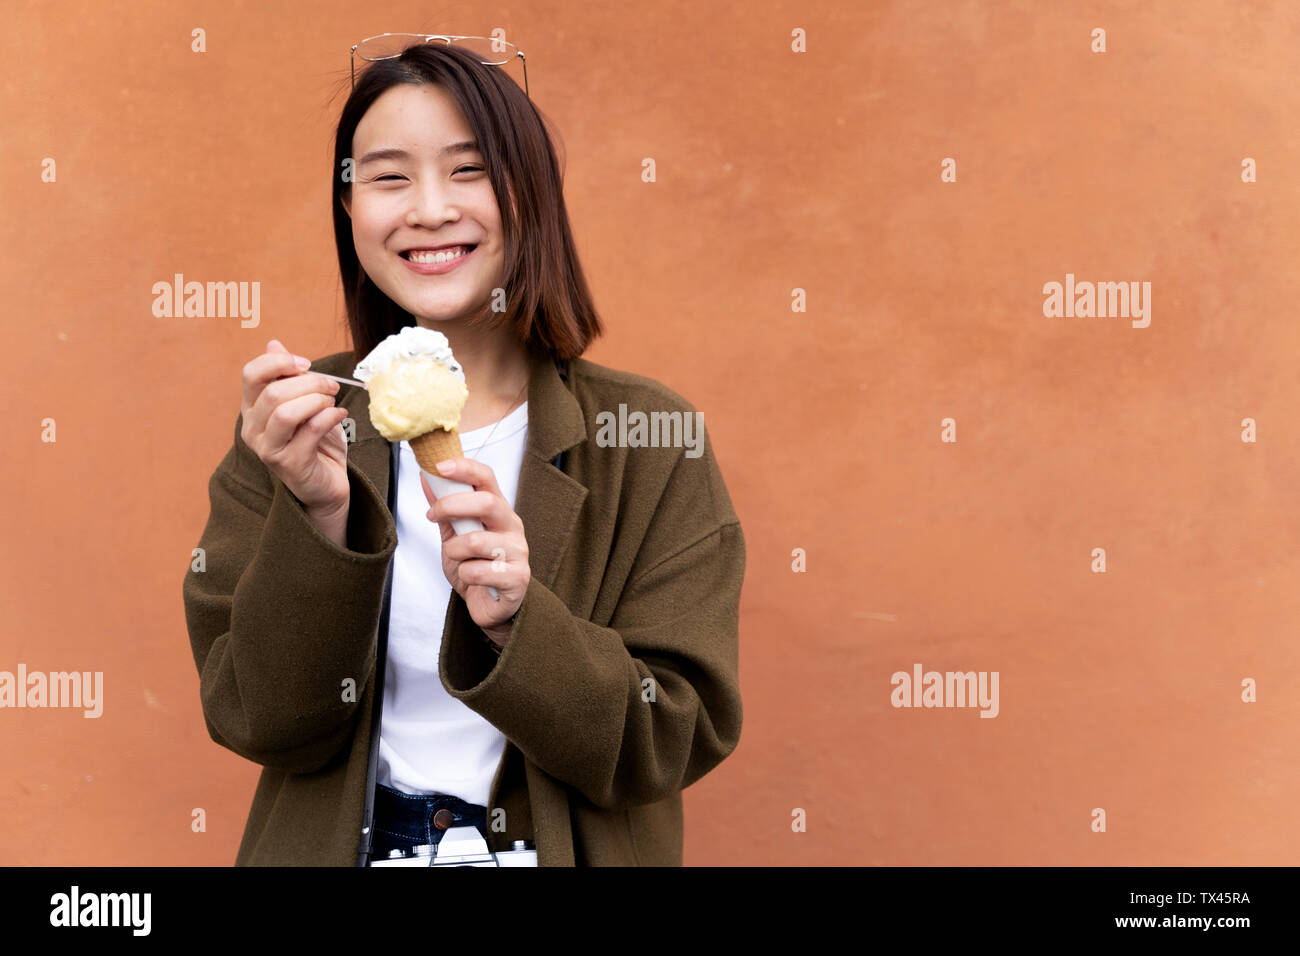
(412, 342)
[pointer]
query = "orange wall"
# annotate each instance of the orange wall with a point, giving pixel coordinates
(776, 170)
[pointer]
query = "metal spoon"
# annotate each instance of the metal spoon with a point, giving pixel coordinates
(338, 378)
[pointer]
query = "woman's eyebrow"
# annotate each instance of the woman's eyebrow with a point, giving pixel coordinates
(396, 152)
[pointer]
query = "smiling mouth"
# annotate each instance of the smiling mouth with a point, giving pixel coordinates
(441, 255)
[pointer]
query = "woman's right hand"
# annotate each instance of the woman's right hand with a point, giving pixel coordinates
(292, 424)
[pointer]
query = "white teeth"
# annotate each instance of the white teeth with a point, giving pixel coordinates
(442, 255)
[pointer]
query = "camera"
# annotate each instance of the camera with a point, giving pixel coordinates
(462, 846)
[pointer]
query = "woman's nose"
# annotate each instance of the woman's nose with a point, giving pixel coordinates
(430, 207)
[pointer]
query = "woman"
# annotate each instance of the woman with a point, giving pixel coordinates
(344, 635)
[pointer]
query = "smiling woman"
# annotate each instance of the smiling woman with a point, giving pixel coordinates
(342, 632)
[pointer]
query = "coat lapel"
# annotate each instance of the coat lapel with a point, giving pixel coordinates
(548, 501)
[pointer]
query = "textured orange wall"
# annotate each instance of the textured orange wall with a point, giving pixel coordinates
(777, 171)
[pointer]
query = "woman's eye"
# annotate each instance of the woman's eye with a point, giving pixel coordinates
(393, 176)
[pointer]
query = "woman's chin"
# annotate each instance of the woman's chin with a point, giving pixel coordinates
(433, 312)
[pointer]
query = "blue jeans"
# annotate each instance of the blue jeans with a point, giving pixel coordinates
(404, 821)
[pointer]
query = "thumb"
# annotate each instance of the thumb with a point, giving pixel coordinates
(275, 346)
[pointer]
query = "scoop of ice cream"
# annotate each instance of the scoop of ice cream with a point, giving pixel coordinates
(415, 396)
(415, 384)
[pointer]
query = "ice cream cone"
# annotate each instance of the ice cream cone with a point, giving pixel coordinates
(435, 446)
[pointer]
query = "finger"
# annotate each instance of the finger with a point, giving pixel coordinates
(284, 422)
(492, 510)
(473, 473)
(482, 573)
(259, 372)
(309, 434)
(433, 499)
(443, 523)
(281, 390)
(487, 545)
(306, 441)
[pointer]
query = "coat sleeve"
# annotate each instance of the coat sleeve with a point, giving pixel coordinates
(630, 713)
(280, 617)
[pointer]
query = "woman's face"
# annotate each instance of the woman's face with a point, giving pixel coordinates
(414, 188)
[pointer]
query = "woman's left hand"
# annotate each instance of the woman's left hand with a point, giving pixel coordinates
(496, 556)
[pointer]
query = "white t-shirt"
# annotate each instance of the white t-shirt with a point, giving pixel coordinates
(429, 741)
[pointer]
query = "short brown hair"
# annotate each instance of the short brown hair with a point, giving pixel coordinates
(548, 302)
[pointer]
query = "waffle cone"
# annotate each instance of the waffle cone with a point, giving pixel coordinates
(435, 446)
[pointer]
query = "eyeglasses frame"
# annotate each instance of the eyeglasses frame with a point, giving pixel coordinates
(425, 38)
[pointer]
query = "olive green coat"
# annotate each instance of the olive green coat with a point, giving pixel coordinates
(637, 560)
